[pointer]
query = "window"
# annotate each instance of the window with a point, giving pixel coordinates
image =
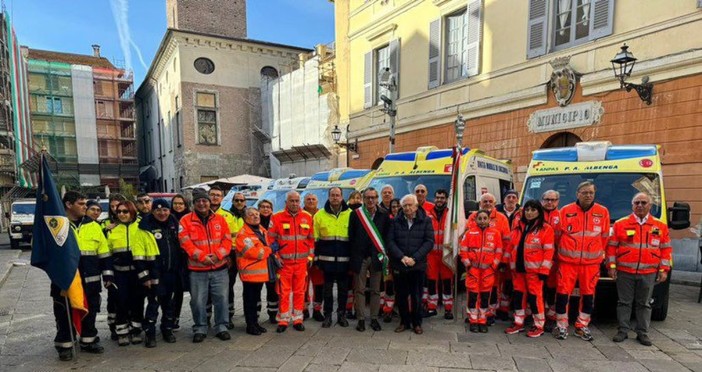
(454, 43)
(269, 73)
(376, 61)
(179, 137)
(560, 24)
(206, 118)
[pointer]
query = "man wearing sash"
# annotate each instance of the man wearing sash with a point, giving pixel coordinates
(368, 229)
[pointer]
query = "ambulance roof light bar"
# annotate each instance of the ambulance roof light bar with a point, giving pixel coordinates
(592, 151)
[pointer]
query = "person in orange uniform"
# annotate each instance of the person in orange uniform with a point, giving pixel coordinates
(529, 255)
(437, 271)
(252, 251)
(501, 223)
(584, 233)
(638, 257)
(481, 253)
(204, 235)
(316, 275)
(292, 237)
(552, 216)
(420, 191)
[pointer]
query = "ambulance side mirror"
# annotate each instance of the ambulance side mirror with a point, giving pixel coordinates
(470, 206)
(679, 216)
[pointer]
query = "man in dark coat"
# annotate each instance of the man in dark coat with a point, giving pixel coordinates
(364, 257)
(410, 240)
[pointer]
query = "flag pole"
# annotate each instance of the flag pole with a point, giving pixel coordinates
(70, 327)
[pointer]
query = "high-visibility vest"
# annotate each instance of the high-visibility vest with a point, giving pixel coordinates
(538, 249)
(553, 218)
(199, 240)
(480, 248)
(132, 249)
(252, 255)
(584, 234)
(95, 256)
(497, 220)
(438, 224)
(639, 249)
(235, 224)
(294, 235)
(331, 234)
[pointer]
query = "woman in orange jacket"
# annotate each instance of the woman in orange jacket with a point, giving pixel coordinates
(530, 254)
(252, 251)
(481, 252)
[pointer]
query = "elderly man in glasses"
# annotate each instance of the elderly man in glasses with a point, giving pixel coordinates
(638, 257)
(420, 191)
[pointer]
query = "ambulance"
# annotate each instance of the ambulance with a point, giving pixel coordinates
(619, 172)
(278, 192)
(432, 168)
(348, 179)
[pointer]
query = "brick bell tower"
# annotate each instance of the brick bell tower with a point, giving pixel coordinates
(216, 17)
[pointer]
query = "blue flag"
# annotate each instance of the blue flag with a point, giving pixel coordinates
(54, 246)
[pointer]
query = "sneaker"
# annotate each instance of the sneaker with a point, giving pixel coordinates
(620, 336)
(65, 354)
(474, 328)
(550, 325)
(483, 328)
(341, 320)
(448, 315)
(299, 327)
(535, 332)
(514, 329)
(584, 333)
(317, 315)
(327, 321)
(560, 333)
(644, 339)
(281, 328)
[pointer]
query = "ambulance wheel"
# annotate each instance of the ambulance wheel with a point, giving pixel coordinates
(660, 312)
(14, 244)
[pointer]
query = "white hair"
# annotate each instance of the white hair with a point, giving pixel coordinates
(291, 193)
(650, 200)
(387, 186)
(558, 194)
(487, 194)
(407, 199)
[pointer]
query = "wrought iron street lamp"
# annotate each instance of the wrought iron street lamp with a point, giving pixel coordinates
(623, 65)
(336, 136)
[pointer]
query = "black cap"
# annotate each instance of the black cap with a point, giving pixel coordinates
(200, 194)
(510, 192)
(161, 203)
(92, 203)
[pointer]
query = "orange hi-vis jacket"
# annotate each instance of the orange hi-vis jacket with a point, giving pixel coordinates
(553, 218)
(438, 224)
(198, 240)
(294, 234)
(480, 248)
(252, 255)
(428, 207)
(497, 220)
(639, 249)
(538, 249)
(584, 234)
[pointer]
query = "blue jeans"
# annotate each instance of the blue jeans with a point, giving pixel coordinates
(216, 285)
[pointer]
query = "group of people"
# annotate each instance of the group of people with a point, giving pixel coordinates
(520, 259)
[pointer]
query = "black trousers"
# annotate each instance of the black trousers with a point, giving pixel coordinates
(162, 295)
(252, 299)
(271, 299)
(342, 287)
(129, 303)
(409, 287)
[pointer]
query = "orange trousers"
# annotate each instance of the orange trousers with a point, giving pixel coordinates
(528, 289)
(292, 279)
(479, 283)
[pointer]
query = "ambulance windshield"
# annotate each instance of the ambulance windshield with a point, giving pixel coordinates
(404, 185)
(614, 190)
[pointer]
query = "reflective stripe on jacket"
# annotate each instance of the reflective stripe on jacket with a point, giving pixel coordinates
(199, 240)
(132, 249)
(95, 256)
(235, 224)
(331, 233)
(640, 249)
(480, 248)
(538, 249)
(584, 234)
(438, 224)
(497, 220)
(294, 235)
(252, 255)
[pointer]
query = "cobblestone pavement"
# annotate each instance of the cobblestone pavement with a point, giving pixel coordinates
(27, 330)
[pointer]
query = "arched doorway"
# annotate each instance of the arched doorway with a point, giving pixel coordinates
(563, 139)
(376, 163)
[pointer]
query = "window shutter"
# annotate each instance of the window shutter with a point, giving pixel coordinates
(368, 80)
(601, 15)
(537, 32)
(434, 53)
(474, 28)
(395, 63)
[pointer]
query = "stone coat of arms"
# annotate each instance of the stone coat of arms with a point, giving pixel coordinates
(563, 81)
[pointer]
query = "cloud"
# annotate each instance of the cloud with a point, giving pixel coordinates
(120, 11)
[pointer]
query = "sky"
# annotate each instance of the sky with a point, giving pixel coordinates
(130, 31)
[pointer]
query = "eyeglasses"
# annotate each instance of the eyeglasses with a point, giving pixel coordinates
(549, 200)
(178, 203)
(586, 193)
(216, 196)
(640, 202)
(122, 211)
(239, 200)
(143, 201)
(420, 191)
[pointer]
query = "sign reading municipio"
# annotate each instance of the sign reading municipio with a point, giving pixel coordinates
(559, 118)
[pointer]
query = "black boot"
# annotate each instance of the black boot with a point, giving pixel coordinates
(65, 354)
(92, 348)
(317, 315)
(361, 326)
(341, 319)
(271, 317)
(168, 336)
(281, 328)
(113, 334)
(150, 341)
(260, 328)
(327, 321)
(252, 330)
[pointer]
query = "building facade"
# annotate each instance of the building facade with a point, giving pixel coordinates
(199, 107)
(505, 65)
(82, 110)
(300, 109)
